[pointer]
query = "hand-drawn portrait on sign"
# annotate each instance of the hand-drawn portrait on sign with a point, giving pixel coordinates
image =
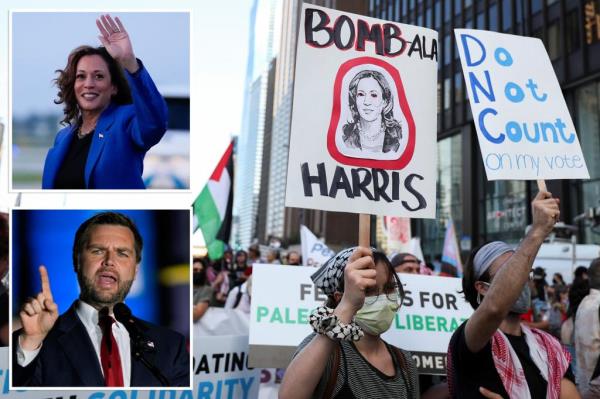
(371, 124)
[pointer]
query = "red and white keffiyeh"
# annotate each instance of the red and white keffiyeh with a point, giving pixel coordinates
(546, 352)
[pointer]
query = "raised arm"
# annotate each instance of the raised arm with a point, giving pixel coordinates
(512, 276)
(304, 372)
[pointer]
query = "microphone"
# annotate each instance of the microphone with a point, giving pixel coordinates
(123, 315)
(140, 343)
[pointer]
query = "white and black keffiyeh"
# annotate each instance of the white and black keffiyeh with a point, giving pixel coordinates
(324, 321)
(330, 275)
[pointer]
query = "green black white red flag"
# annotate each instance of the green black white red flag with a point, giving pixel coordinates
(213, 207)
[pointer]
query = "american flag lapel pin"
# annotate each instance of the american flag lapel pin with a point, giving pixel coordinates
(101, 135)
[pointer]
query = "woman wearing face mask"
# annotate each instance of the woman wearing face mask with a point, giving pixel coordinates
(492, 351)
(345, 357)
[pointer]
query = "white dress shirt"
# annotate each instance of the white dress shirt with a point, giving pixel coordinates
(89, 317)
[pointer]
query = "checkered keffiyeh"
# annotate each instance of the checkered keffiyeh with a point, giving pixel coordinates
(330, 275)
(546, 352)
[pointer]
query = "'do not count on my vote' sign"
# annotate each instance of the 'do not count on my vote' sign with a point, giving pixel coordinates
(523, 125)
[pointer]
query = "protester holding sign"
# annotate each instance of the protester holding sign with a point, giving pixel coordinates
(346, 357)
(492, 349)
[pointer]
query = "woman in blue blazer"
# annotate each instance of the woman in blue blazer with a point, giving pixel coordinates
(113, 112)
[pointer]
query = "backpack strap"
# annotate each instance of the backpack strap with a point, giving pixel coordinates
(404, 369)
(329, 388)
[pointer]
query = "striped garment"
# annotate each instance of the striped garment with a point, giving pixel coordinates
(363, 379)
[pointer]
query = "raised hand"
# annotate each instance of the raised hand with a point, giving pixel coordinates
(359, 276)
(115, 39)
(38, 315)
(546, 212)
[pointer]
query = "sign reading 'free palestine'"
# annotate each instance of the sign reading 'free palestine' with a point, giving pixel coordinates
(523, 125)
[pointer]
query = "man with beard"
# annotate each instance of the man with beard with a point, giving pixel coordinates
(86, 346)
(493, 353)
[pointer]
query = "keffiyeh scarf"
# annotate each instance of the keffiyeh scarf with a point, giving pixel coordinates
(546, 352)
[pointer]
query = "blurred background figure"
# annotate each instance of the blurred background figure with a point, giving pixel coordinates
(203, 292)
(406, 263)
(293, 258)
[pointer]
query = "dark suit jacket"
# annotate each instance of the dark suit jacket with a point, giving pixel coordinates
(122, 136)
(67, 358)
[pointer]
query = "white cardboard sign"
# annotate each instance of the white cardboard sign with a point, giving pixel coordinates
(364, 120)
(523, 125)
(283, 298)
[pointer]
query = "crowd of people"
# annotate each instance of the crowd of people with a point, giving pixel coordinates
(227, 282)
(527, 337)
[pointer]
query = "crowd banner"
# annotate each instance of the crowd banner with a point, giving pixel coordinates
(363, 133)
(523, 125)
(220, 370)
(284, 296)
(314, 252)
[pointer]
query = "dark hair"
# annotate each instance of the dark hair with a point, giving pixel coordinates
(594, 274)
(393, 278)
(578, 290)
(469, 279)
(82, 236)
(66, 81)
(580, 271)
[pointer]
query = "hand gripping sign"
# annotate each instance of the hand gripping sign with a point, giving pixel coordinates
(363, 136)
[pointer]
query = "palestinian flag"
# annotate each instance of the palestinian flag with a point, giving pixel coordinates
(213, 207)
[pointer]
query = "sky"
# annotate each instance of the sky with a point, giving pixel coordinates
(218, 45)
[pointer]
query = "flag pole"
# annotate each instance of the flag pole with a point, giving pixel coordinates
(541, 183)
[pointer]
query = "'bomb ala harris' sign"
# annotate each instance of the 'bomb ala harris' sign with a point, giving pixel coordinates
(364, 120)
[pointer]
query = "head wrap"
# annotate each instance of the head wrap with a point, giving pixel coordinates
(329, 276)
(487, 255)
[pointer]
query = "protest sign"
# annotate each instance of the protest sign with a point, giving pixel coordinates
(314, 252)
(523, 125)
(283, 298)
(397, 231)
(363, 126)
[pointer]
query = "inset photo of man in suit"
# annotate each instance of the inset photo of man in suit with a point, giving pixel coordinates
(74, 324)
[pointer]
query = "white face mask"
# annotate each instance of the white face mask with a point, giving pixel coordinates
(521, 305)
(377, 314)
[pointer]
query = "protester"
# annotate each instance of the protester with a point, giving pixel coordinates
(587, 337)
(578, 290)
(239, 297)
(293, 258)
(273, 257)
(581, 272)
(406, 263)
(221, 287)
(345, 357)
(203, 292)
(492, 349)
(253, 254)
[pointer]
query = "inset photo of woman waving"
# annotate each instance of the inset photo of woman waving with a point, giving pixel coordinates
(119, 126)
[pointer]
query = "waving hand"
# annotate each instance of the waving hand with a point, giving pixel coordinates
(116, 40)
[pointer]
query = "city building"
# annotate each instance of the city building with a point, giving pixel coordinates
(482, 210)
(263, 42)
